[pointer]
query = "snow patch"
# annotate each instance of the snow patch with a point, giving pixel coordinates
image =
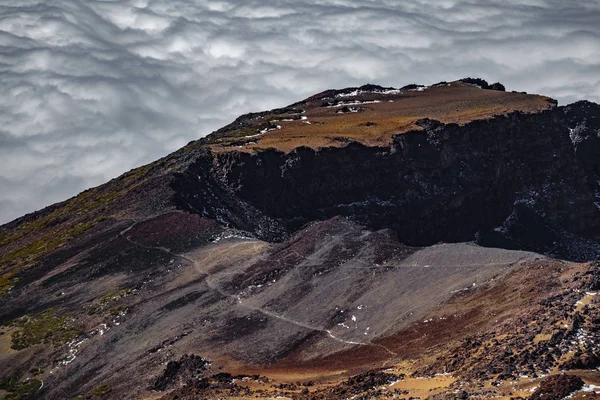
(590, 388)
(251, 136)
(73, 350)
(353, 102)
(269, 129)
(393, 383)
(102, 329)
(231, 235)
(350, 110)
(359, 92)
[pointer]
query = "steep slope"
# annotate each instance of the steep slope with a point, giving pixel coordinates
(442, 183)
(583, 120)
(444, 218)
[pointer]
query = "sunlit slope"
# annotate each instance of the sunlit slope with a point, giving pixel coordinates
(371, 115)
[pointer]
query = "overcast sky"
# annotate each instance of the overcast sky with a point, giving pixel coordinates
(90, 89)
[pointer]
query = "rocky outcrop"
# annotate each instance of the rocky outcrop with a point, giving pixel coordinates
(483, 84)
(557, 387)
(583, 121)
(189, 367)
(512, 181)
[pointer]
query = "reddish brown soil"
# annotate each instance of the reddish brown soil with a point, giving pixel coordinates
(176, 231)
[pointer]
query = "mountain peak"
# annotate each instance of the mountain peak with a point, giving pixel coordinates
(452, 226)
(371, 115)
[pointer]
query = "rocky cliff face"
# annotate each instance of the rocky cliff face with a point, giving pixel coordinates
(442, 183)
(583, 121)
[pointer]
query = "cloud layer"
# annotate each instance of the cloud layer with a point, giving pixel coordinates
(93, 88)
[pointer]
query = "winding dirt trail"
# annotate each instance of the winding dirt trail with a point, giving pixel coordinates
(245, 305)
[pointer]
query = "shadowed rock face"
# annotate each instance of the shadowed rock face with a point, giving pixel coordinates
(445, 183)
(557, 387)
(583, 120)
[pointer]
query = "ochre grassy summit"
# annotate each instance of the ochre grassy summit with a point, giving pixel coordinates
(371, 117)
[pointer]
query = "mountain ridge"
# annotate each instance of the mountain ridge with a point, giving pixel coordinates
(268, 261)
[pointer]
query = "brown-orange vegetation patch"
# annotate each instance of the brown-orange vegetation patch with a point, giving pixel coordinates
(423, 387)
(6, 334)
(376, 123)
(542, 337)
(585, 300)
(24, 241)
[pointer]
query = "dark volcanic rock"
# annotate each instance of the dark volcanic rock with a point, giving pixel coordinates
(483, 84)
(497, 86)
(189, 367)
(412, 86)
(557, 387)
(201, 189)
(582, 361)
(476, 81)
(359, 386)
(178, 232)
(442, 183)
(583, 120)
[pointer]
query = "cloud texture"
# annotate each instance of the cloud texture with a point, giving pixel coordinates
(90, 89)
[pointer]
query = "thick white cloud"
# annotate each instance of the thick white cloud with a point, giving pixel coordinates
(92, 88)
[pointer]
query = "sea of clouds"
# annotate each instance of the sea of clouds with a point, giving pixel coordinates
(92, 88)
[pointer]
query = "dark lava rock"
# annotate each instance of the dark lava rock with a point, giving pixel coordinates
(497, 86)
(476, 81)
(346, 110)
(359, 386)
(557, 387)
(222, 377)
(583, 361)
(369, 87)
(412, 86)
(583, 121)
(429, 124)
(462, 395)
(483, 84)
(189, 367)
(524, 228)
(594, 272)
(444, 182)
